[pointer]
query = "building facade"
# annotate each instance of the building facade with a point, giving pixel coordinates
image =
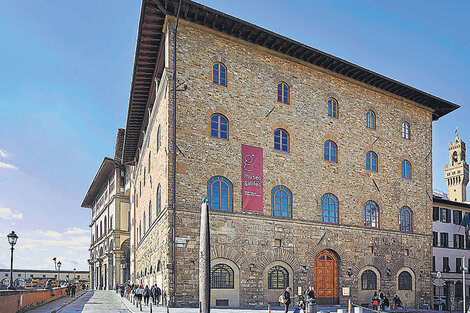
(109, 227)
(451, 246)
(22, 276)
(313, 167)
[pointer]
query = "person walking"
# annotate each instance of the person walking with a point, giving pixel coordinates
(153, 294)
(138, 293)
(74, 289)
(285, 298)
(158, 293)
(302, 304)
(375, 301)
(146, 295)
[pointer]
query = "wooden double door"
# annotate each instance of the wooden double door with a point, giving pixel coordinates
(326, 277)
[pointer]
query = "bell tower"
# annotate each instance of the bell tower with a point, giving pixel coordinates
(456, 172)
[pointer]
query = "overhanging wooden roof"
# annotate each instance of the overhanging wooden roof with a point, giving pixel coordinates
(101, 177)
(150, 30)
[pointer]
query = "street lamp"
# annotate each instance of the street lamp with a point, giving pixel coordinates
(74, 274)
(58, 273)
(12, 238)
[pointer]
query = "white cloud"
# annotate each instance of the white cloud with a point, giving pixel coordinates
(8, 165)
(7, 214)
(3, 153)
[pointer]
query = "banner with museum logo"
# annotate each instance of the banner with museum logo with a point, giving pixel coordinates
(252, 178)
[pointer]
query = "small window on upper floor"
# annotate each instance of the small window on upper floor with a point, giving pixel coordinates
(281, 140)
(371, 161)
(330, 151)
(406, 169)
(219, 74)
(283, 93)
(219, 126)
(333, 108)
(370, 118)
(405, 130)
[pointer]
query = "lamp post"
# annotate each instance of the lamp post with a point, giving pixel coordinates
(12, 238)
(74, 274)
(58, 273)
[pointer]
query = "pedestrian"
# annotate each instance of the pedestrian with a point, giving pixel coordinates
(302, 304)
(153, 294)
(375, 301)
(146, 295)
(284, 298)
(138, 293)
(386, 304)
(158, 293)
(74, 289)
(397, 303)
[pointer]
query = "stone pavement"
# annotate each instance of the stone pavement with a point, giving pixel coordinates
(56, 304)
(96, 301)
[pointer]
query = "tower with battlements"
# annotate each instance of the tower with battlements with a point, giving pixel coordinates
(456, 172)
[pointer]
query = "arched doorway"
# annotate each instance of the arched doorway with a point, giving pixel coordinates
(326, 277)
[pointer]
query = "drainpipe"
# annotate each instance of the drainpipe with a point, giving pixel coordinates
(173, 220)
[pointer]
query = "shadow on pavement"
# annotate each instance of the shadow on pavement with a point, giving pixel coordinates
(77, 305)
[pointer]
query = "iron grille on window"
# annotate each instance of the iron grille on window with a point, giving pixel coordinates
(278, 278)
(221, 277)
(369, 280)
(404, 281)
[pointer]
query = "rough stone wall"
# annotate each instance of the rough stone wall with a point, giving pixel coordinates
(252, 77)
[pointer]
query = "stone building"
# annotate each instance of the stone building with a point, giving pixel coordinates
(451, 246)
(109, 227)
(318, 171)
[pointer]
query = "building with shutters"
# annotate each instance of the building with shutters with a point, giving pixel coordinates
(317, 171)
(109, 227)
(451, 246)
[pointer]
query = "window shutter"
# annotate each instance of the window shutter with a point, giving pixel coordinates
(447, 216)
(435, 213)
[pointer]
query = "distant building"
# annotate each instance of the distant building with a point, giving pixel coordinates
(315, 169)
(109, 227)
(450, 245)
(25, 275)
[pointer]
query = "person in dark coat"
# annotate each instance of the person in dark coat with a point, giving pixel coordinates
(286, 297)
(146, 295)
(375, 301)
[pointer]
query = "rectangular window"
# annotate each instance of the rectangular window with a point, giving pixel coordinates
(435, 213)
(435, 240)
(457, 217)
(445, 264)
(444, 240)
(458, 265)
(433, 263)
(461, 242)
(445, 215)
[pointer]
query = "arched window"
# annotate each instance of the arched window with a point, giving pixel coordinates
(370, 116)
(219, 193)
(281, 140)
(371, 161)
(405, 281)
(158, 200)
(221, 277)
(219, 126)
(159, 266)
(332, 107)
(219, 74)
(278, 278)
(281, 201)
(329, 208)
(150, 213)
(371, 214)
(406, 169)
(330, 151)
(406, 219)
(159, 138)
(369, 280)
(405, 130)
(283, 93)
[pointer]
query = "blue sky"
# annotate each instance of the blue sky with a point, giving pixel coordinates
(65, 77)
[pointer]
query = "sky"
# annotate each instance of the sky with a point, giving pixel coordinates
(65, 78)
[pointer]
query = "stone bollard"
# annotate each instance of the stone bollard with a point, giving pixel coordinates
(150, 307)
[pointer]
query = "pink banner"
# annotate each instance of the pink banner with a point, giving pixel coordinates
(252, 178)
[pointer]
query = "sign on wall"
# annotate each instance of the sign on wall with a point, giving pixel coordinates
(252, 178)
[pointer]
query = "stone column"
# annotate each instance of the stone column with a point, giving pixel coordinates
(92, 274)
(110, 282)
